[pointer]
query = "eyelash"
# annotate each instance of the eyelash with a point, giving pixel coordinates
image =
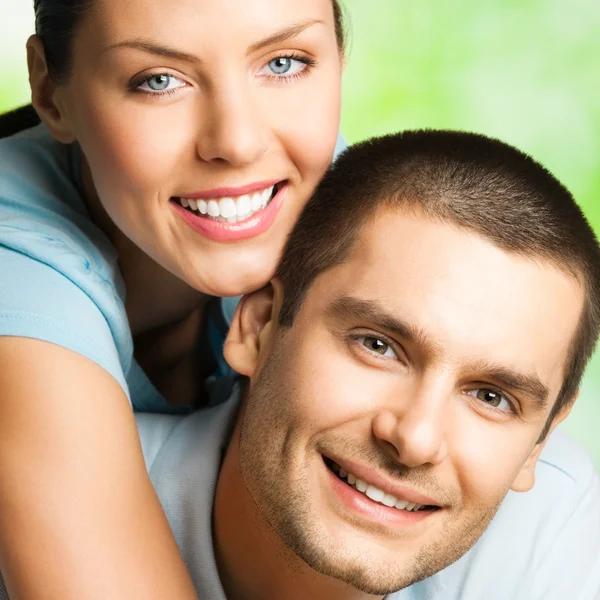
(309, 62)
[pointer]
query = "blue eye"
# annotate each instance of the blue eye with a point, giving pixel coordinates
(160, 84)
(281, 65)
(286, 66)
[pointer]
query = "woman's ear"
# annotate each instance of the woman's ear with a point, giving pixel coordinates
(252, 329)
(46, 98)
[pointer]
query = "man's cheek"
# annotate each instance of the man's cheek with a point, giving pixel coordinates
(335, 394)
(486, 462)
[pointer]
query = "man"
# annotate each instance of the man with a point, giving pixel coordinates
(425, 334)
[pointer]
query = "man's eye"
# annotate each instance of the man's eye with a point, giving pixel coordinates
(492, 398)
(376, 346)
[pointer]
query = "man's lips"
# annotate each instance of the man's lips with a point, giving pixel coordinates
(375, 479)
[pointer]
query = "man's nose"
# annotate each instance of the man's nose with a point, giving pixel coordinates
(234, 130)
(413, 429)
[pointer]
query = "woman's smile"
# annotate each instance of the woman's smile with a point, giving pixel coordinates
(232, 218)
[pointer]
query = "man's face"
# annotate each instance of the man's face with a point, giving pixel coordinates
(426, 367)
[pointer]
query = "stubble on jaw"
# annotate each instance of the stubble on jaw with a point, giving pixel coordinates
(286, 513)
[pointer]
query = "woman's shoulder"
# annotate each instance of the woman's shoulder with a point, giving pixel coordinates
(42, 212)
(59, 276)
(33, 165)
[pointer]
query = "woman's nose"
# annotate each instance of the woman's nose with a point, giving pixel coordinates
(234, 130)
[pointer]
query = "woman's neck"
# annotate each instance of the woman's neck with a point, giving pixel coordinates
(155, 298)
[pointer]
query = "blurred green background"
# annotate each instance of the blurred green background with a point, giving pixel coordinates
(525, 71)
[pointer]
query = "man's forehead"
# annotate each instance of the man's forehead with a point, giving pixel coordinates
(397, 238)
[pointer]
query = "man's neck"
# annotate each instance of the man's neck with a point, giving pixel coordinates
(253, 561)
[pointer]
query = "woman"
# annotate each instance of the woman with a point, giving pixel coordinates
(180, 141)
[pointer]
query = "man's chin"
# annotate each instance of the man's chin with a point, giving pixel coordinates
(374, 562)
(361, 571)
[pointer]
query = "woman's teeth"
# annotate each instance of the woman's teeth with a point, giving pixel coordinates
(374, 493)
(230, 210)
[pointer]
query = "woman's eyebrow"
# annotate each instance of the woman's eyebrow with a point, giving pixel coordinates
(283, 35)
(152, 47)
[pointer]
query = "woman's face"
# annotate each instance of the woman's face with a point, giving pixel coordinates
(206, 124)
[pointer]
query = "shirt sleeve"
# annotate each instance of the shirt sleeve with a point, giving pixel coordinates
(37, 301)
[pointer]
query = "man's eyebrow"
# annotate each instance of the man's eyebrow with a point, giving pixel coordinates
(372, 311)
(283, 35)
(152, 47)
(515, 381)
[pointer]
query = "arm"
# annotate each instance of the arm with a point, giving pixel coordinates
(79, 518)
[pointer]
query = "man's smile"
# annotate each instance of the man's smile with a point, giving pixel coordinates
(402, 508)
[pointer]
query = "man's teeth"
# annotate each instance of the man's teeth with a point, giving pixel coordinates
(230, 210)
(374, 493)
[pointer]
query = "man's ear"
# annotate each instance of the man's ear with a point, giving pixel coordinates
(252, 328)
(46, 98)
(526, 477)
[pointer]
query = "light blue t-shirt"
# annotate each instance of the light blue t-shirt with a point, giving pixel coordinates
(541, 545)
(59, 278)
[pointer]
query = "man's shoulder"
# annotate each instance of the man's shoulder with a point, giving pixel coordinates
(566, 460)
(170, 440)
(563, 503)
(154, 430)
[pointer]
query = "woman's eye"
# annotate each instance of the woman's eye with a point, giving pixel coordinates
(160, 83)
(284, 66)
(376, 346)
(492, 398)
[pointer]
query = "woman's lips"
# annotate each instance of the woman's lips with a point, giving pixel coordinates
(223, 231)
(234, 191)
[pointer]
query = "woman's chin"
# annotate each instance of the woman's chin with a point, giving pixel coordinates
(233, 283)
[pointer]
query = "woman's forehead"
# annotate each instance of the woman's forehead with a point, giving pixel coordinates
(226, 19)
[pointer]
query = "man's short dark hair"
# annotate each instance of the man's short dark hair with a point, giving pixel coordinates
(466, 179)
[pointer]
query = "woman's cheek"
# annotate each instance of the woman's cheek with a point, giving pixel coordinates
(308, 119)
(137, 144)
